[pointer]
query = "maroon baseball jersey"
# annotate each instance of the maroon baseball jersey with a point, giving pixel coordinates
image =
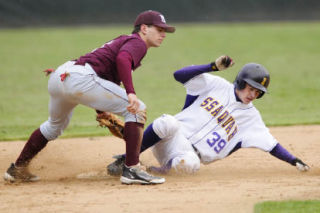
(103, 59)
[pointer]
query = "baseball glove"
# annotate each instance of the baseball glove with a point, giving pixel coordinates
(112, 122)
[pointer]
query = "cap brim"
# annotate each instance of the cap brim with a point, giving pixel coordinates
(167, 28)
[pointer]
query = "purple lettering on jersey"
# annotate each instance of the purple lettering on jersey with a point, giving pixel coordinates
(221, 144)
(215, 112)
(216, 142)
(211, 106)
(225, 119)
(230, 119)
(212, 141)
(222, 117)
(103, 59)
(228, 129)
(233, 133)
(206, 101)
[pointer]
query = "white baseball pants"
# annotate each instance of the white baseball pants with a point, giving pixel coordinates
(81, 86)
(174, 146)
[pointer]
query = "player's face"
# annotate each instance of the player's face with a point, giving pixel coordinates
(248, 94)
(153, 35)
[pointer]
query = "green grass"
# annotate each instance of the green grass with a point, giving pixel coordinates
(290, 51)
(288, 207)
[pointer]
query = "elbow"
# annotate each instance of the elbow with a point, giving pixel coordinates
(178, 75)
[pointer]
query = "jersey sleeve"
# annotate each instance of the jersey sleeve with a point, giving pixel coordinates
(257, 135)
(123, 62)
(203, 83)
(137, 49)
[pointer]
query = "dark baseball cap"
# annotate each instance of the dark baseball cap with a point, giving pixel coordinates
(151, 17)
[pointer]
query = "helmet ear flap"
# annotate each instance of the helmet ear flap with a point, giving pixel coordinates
(241, 84)
(260, 95)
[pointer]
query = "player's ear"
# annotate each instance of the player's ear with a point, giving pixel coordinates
(143, 28)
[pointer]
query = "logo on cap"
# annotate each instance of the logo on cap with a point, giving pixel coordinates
(162, 18)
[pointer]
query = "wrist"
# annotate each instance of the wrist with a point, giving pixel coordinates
(294, 162)
(214, 66)
(131, 92)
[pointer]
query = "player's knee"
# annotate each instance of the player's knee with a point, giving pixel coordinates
(142, 113)
(189, 163)
(165, 126)
(139, 117)
(51, 130)
(142, 106)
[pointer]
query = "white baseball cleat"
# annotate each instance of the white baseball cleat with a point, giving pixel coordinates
(136, 175)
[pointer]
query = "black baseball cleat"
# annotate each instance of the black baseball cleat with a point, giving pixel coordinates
(22, 174)
(115, 168)
(136, 175)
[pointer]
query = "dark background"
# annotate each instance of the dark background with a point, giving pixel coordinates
(20, 13)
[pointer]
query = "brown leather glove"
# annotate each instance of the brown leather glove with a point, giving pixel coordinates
(112, 122)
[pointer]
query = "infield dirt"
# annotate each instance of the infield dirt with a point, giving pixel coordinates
(233, 184)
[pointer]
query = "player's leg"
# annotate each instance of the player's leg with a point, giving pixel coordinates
(173, 154)
(188, 163)
(107, 96)
(60, 115)
(163, 127)
(60, 110)
(174, 151)
(149, 139)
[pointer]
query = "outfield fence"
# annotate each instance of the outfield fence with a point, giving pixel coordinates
(20, 13)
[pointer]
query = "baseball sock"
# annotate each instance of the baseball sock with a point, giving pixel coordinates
(34, 145)
(133, 137)
(150, 138)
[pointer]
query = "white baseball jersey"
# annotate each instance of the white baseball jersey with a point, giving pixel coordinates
(215, 123)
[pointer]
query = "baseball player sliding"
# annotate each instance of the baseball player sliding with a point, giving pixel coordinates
(94, 80)
(217, 119)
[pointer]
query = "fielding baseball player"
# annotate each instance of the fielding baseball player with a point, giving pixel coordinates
(94, 80)
(217, 119)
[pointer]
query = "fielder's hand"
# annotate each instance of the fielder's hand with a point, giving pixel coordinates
(300, 165)
(222, 63)
(133, 103)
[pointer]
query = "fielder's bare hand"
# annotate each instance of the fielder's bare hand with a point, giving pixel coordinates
(133, 103)
(222, 63)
